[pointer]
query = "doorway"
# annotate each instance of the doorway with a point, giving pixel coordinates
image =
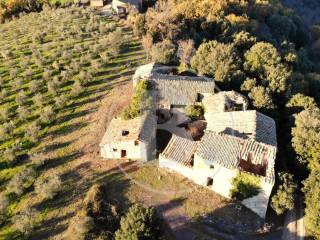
(123, 153)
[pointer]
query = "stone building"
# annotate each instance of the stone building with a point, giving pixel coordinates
(218, 157)
(130, 139)
(235, 139)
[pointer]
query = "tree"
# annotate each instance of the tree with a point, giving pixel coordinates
(260, 56)
(21, 181)
(48, 186)
(32, 131)
(163, 52)
(216, 59)
(25, 221)
(4, 202)
(306, 133)
(277, 77)
(312, 199)
(21, 97)
(139, 223)
(39, 100)
(299, 102)
(285, 196)
(23, 113)
(261, 97)
(47, 115)
(38, 159)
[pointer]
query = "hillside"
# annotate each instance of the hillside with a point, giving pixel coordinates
(56, 68)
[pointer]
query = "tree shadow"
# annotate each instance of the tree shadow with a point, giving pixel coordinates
(66, 129)
(54, 162)
(51, 227)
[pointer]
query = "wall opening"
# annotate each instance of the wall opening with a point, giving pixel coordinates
(209, 181)
(123, 153)
(125, 132)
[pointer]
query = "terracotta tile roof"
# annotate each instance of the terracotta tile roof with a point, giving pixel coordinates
(245, 124)
(180, 150)
(220, 149)
(227, 151)
(139, 128)
(180, 90)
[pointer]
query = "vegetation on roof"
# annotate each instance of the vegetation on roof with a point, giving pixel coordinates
(244, 185)
(141, 101)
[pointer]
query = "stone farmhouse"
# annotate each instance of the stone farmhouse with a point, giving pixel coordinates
(235, 139)
(130, 139)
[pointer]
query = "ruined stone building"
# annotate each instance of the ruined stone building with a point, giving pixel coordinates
(235, 139)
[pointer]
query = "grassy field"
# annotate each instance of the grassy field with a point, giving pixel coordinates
(56, 70)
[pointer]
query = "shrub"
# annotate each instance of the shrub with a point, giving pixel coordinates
(23, 113)
(26, 221)
(32, 132)
(38, 159)
(39, 100)
(47, 115)
(10, 154)
(47, 187)
(139, 223)
(284, 198)
(21, 181)
(21, 98)
(53, 87)
(4, 202)
(77, 88)
(61, 101)
(79, 226)
(194, 111)
(163, 52)
(5, 113)
(244, 186)
(141, 101)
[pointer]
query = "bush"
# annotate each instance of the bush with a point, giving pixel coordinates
(47, 115)
(38, 159)
(4, 202)
(244, 186)
(47, 187)
(26, 221)
(79, 226)
(39, 100)
(23, 113)
(140, 223)
(32, 132)
(21, 181)
(163, 52)
(285, 196)
(194, 111)
(140, 101)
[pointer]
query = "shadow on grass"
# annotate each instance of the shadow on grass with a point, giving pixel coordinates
(51, 227)
(55, 146)
(73, 115)
(66, 129)
(54, 162)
